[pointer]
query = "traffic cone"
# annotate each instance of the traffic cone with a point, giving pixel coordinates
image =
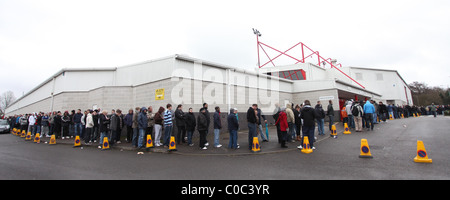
(365, 150)
(422, 155)
(255, 145)
(306, 146)
(28, 137)
(414, 114)
(52, 140)
(149, 142)
(37, 138)
(105, 144)
(172, 145)
(77, 142)
(403, 116)
(23, 134)
(14, 131)
(346, 129)
(390, 117)
(333, 132)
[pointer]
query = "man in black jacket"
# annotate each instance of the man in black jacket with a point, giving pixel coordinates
(181, 125)
(190, 126)
(308, 116)
(251, 119)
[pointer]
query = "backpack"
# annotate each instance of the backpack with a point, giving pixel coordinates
(355, 111)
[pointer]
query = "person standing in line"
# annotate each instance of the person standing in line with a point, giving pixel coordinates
(135, 127)
(202, 126)
(357, 113)
(330, 113)
(119, 126)
(65, 124)
(128, 120)
(308, 115)
(89, 128)
(104, 121)
(233, 126)
(158, 126)
(383, 111)
(45, 124)
(290, 121)
(113, 126)
(283, 124)
(208, 120)
(298, 122)
(168, 124)
(433, 109)
(260, 124)
(320, 115)
(77, 122)
(31, 124)
(217, 127)
(275, 116)
(51, 122)
(151, 122)
(369, 109)
(142, 125)
(251, 119)
(348, 108)
(58, 125)
(190, 126)
(181, 124)
(344, 115)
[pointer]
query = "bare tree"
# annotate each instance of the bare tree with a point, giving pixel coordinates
(6, 99)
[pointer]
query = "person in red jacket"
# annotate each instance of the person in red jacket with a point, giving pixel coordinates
(282, 122)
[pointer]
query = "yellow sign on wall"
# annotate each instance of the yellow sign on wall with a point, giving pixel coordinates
(159, 94)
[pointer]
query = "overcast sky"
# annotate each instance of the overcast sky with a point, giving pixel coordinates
(40, 37)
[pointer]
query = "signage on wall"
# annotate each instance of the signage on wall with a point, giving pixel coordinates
(159, 94)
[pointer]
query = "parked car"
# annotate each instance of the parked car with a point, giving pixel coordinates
(4, 126)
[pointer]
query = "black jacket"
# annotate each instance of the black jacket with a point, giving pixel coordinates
(202, 123)
(180, 118)
(190, 122)
(308, 116)
(251, 117)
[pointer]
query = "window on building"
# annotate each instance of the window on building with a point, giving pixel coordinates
(359, 76)
(379, 77)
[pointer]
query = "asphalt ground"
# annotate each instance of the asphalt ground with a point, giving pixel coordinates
(392, 144)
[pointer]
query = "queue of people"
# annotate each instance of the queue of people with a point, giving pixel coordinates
(292, 123)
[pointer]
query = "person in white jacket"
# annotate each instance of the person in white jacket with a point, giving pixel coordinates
(31, 124)
(89, 128)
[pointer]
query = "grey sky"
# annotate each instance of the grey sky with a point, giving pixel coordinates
(39, 37)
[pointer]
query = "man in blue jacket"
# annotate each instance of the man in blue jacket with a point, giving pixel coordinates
(369, 109)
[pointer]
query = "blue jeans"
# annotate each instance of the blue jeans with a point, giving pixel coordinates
(309, 132)
(141, 137)
(102, 136)
(233, 139)
(351, 122)
(77, 127)
(167, 134)
(291, 131)
(189, 135)
(320, 123)
(135, 139)
(251, 134)
(262, 133)
(216, 137)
